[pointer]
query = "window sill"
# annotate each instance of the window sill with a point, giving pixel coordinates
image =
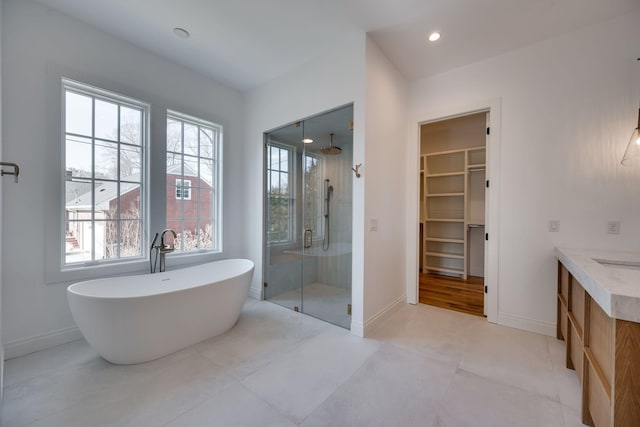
(82, 272)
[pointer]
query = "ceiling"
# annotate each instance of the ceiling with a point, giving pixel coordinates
(245, 43)
(319, 128)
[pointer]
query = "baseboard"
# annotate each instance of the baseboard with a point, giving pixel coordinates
(531, 325)
(357, 329)
(370, 324)
(41, 342)
(255, 293)
(1, 380)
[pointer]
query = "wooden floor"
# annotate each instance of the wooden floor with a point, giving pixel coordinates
(453, 293)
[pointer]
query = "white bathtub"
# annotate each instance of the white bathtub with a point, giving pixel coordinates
(135, 319)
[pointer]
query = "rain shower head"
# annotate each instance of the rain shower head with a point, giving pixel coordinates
(331, 149)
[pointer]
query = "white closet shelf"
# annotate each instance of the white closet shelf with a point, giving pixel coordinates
(437, 175)
(444, 270)
(444, 255)
(443, 240)
(445, 195)
(448, 208)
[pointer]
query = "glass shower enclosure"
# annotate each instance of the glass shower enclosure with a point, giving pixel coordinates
(308, 212)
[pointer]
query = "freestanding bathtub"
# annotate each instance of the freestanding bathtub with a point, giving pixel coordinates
(135, 319)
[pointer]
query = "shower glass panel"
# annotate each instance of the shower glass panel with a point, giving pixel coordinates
(308, 215)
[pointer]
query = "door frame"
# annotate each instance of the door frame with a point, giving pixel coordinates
(492, 198)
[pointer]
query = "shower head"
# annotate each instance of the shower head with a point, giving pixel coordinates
(331, 149)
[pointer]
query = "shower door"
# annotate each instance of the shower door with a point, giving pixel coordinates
(307, 195)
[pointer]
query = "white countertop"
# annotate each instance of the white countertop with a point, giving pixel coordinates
(615, 289)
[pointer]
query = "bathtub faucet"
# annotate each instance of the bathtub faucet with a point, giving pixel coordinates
(161, 250)
(164, 248)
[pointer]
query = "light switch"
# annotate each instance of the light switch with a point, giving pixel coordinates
(613, 227)
(373, 224)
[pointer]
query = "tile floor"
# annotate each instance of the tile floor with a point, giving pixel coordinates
(322, 301)
(425, 366)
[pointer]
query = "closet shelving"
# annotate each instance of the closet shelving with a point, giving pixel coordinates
(451, 183)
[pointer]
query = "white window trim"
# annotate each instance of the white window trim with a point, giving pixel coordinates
(319, 234)
(292, 153)
(182, 188)
(217, 191)
(54, 254)
(95, 92)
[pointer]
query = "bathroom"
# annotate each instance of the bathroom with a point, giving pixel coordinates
(549, 124)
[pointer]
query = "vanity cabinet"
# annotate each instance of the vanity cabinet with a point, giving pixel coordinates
(604, 352)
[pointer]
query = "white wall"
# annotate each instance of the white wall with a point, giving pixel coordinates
(358, 73)
(1, 240)
(334, 80)
(38, 47)
(384, 171)
(568, 106)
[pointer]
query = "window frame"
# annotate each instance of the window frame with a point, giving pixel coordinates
(291, 199)
(318, 232)
(96, 93)
(182, 187)
(216, 185)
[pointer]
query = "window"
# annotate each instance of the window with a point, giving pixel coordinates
(193, 182)
(183, 189)
(279, 194)
(313, 194)
(104, 150)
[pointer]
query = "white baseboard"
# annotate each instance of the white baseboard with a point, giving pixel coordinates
(41, 342)
(531, 325)
(362, 330)
(357, 329)
(255, 293)
(1, 380)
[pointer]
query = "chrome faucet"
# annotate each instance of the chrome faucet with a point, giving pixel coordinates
(162, 249)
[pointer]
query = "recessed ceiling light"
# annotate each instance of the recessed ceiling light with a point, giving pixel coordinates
(307, 140)
(181, 33)
(434, 36)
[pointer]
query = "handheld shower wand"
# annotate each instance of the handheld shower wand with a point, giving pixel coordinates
(328, 192)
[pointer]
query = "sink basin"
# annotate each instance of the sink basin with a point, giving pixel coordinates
(629, 265)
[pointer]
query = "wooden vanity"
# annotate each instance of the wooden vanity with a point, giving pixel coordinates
(598, 317)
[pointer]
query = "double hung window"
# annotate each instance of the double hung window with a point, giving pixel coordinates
(280, 198)
(193, 182)
(105, 142)
(105, 145)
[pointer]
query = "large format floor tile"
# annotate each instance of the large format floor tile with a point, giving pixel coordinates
(441, 334)
(473, 401)
(512, 357)
(424, 366)
(264, 332)
(395, 387)
(232, 406)
(302, 379)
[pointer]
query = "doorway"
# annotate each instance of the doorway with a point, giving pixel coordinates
(453, 158)
(308, 216)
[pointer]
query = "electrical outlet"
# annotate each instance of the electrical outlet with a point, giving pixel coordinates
(613, 227)
(554, 226)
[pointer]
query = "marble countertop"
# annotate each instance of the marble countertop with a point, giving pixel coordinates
(616, 289)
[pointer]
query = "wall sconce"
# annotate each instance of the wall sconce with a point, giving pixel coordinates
(633, 146)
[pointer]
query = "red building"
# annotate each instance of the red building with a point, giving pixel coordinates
(188, 201)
